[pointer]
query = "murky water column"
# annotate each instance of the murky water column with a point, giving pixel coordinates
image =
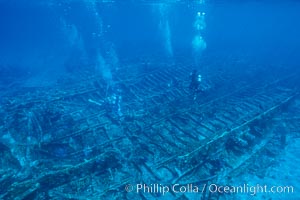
(164, 27)
(106, 63)
(199, 44)
(77, 54)
(91, 6)
(101, 64)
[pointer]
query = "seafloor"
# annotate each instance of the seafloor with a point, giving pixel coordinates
(86, 138)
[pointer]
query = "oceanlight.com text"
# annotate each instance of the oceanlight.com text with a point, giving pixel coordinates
(163, 189)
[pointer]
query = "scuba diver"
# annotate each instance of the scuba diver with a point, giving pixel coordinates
(196, 79)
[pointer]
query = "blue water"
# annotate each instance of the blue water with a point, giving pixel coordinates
(49, 50)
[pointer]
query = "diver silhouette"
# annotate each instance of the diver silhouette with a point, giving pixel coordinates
(195, 79)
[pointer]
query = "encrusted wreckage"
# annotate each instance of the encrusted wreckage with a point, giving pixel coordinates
(90, 139)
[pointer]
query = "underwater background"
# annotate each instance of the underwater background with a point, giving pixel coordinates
(149, 99)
